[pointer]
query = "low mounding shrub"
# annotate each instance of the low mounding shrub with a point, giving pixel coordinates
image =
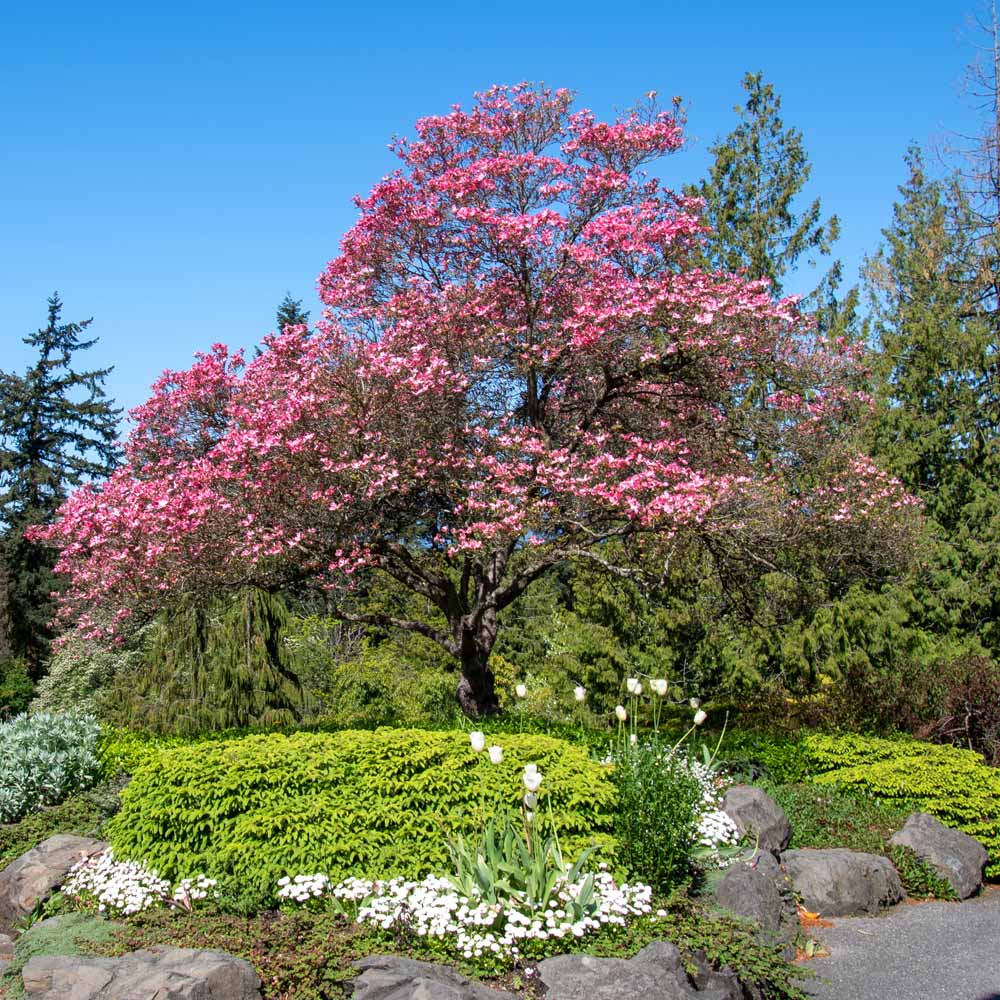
(44, 759)
(375, 804)
(955, 785)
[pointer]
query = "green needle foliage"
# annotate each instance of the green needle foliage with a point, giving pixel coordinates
(372, 804)
(759, 169)
(213, 663)
(57, 431)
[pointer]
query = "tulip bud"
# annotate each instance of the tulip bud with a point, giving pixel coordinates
(699, 717)
(580, 693)
(478, 740)
(631, 684)
(521, 691)
(530, 800)
(496, 754)
(638, 689)
(621, 713)
(695, 703)
(659, 687)
(633, 739)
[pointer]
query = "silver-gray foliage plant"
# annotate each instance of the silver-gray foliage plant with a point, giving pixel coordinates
(45, 758)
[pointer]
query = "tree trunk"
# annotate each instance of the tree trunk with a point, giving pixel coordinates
(476, 692)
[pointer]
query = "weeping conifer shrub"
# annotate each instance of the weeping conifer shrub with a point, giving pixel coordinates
(214, 663)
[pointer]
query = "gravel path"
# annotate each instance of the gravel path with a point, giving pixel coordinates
(925, 951)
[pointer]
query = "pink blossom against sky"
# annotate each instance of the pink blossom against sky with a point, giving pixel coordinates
(173, 169)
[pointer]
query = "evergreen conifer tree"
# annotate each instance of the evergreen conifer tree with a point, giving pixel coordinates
(57, 430)
(939, 418)
(291, 313)
(757, 173)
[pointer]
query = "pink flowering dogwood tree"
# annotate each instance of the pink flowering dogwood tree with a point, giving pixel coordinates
(519, 364)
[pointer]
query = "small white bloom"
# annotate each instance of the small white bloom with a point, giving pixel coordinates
(530, 800)
(478, 740)
(633, 739)
(621, 713)
(638, 689)
(521, 691)
(496, 754)
(659, 687)
(695, 702)
(532, 778)
(699, 717)
(580, 693)
(631, 684)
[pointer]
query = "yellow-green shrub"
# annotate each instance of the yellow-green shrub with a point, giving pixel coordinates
(349, 803)
(955, 785)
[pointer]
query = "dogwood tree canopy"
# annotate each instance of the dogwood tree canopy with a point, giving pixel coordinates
(519, 364)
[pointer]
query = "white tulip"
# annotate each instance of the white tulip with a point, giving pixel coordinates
(521, 691)
(621, 713)
(496, 754)
(478, 740)
(659, 687)
(638, 689)
(699, 717)
(695, 702)
(532, 779)
(631, 684)
(530, 800)
(633, 739)
(580, 693)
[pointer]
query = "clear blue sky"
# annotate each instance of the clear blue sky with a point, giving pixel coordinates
(173, 169)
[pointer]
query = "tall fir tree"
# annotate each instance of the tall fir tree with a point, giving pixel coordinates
(291, 313)
(750, 194)
(939, 416)
(58, 430)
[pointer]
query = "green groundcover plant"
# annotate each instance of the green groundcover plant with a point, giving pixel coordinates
(955, 785)
(352, 803)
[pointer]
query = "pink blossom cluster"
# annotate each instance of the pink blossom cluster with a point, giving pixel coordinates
(519, 353)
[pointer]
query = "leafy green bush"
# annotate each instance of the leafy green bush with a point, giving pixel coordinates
(80, 673)
(45, 758)
(375, 803)
(16, 688)
(955, 785)
(656, 820)
(123, 751)
(774, 757)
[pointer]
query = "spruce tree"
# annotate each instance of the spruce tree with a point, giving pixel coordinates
(57, 430)
(750, 194)
(939, 418)
(291, 313)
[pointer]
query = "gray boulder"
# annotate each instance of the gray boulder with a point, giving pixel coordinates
(656, 973)
(755, 889)
(6, 947)
(34, 875)
(957, 857)
(842, 883)
(158, 974)
(758, 816)
(386, 977)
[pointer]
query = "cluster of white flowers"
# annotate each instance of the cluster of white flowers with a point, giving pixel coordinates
(432, 908)
(125, 888)
(302, 888)
(716, 828)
